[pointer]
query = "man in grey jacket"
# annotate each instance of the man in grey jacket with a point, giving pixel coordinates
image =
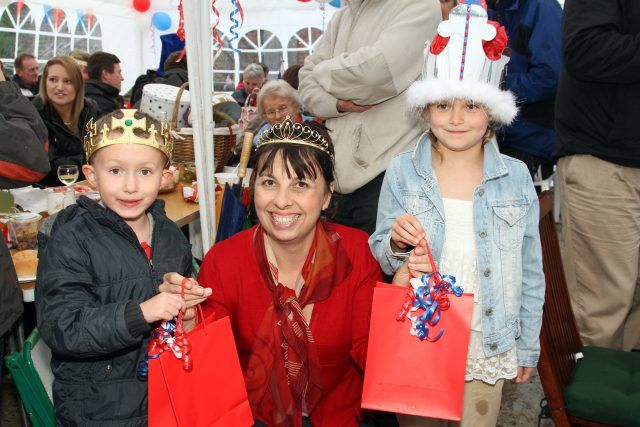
(356, 79)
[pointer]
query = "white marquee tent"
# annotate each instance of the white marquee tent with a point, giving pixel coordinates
(272, 29)
(276, 32)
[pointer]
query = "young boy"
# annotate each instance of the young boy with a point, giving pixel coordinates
(99, 272)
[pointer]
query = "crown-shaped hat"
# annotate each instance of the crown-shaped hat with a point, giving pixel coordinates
(128, 123)
(288, 132)
(465, 61)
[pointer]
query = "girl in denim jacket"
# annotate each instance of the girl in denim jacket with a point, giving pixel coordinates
(479, 212)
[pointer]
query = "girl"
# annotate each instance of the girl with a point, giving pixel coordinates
(65, 112)
(478, 211)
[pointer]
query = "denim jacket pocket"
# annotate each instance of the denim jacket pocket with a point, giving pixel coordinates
(416, 204)
(509, 224)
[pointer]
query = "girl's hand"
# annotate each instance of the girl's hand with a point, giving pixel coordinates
(415, 266)
(406, 231)
(418, 262)
(524, 373)
(194, 294)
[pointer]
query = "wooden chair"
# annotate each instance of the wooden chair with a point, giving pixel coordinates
(579, 392)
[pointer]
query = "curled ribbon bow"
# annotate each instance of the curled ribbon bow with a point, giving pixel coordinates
(168, 336)
(429, 293)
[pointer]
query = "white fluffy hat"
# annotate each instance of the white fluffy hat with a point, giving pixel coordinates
(465, 60)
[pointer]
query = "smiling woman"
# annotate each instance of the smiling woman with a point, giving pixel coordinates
(297, 289)
(65, 112)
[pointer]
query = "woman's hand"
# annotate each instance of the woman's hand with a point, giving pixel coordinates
(415, 266)
(524, 373)
(194, 294)
(406, 231)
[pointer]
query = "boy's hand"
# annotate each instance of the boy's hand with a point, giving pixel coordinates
(194, 294)
(406, 231)
(163, 306)
(524, 373)
(415, 266)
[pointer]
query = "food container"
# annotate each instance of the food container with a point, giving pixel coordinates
(23, 230)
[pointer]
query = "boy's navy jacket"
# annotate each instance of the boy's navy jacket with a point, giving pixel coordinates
(533, 27)
(92, 276)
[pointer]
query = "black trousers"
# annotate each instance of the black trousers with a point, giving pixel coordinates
(532, 162)
(359, 209)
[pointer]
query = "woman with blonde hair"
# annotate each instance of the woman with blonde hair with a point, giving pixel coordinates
(65, 112)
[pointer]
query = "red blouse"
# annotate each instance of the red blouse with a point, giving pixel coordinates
(340, 324)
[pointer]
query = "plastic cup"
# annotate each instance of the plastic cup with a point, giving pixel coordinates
(23, 230)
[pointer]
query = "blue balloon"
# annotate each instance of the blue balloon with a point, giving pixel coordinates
(335, 3)
(161, 21)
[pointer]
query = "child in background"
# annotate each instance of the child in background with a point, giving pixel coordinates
(99, 271)
(477, 209)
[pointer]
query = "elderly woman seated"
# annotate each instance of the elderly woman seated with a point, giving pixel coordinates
(277, 100)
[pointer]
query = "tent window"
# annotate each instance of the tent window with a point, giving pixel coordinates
(301, 44)
(55, 36)
(17, 33)
(261, 46)
(225, 73)
(88, 35)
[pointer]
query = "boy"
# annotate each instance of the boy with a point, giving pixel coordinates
(99, 271)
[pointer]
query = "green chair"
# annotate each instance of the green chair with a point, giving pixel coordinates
(32, 376)
(601, 388)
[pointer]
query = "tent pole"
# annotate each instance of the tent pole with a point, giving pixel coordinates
(197, 24)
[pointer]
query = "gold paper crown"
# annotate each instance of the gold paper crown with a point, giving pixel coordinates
(128, 123)
(288, 132)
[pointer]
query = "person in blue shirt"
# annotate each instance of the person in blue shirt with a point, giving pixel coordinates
(533, 28)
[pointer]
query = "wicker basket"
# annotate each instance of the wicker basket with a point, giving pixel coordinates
(224, 139)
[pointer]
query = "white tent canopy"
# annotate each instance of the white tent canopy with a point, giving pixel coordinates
(131, 36)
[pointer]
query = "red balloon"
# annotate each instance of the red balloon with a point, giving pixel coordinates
(141, 5)
(304, 1)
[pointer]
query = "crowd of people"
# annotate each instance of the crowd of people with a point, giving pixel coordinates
(372, 156)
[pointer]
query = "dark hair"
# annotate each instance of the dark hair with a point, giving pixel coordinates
(17, 64)
(172, 61)
(101, 61)
(291, 75)
(302, 161)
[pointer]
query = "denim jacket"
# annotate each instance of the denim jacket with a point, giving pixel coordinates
(505, 218)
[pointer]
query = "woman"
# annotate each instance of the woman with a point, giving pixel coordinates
(297, 289)
(277, 100)
(63, 109)
(252, 78)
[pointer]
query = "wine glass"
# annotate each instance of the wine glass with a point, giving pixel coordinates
(68, 174)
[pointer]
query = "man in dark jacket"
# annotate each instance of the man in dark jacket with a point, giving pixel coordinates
(175, 74)
(598, 145)
(533, 27)
(105, 82)
(26, 77)
(23, 160)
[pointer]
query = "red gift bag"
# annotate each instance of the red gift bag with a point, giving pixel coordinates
(213, 393)
(406, 375)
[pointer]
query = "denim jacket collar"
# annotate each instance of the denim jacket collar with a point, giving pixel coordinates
(493, 167)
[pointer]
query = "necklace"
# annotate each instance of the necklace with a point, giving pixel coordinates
(68, 124)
